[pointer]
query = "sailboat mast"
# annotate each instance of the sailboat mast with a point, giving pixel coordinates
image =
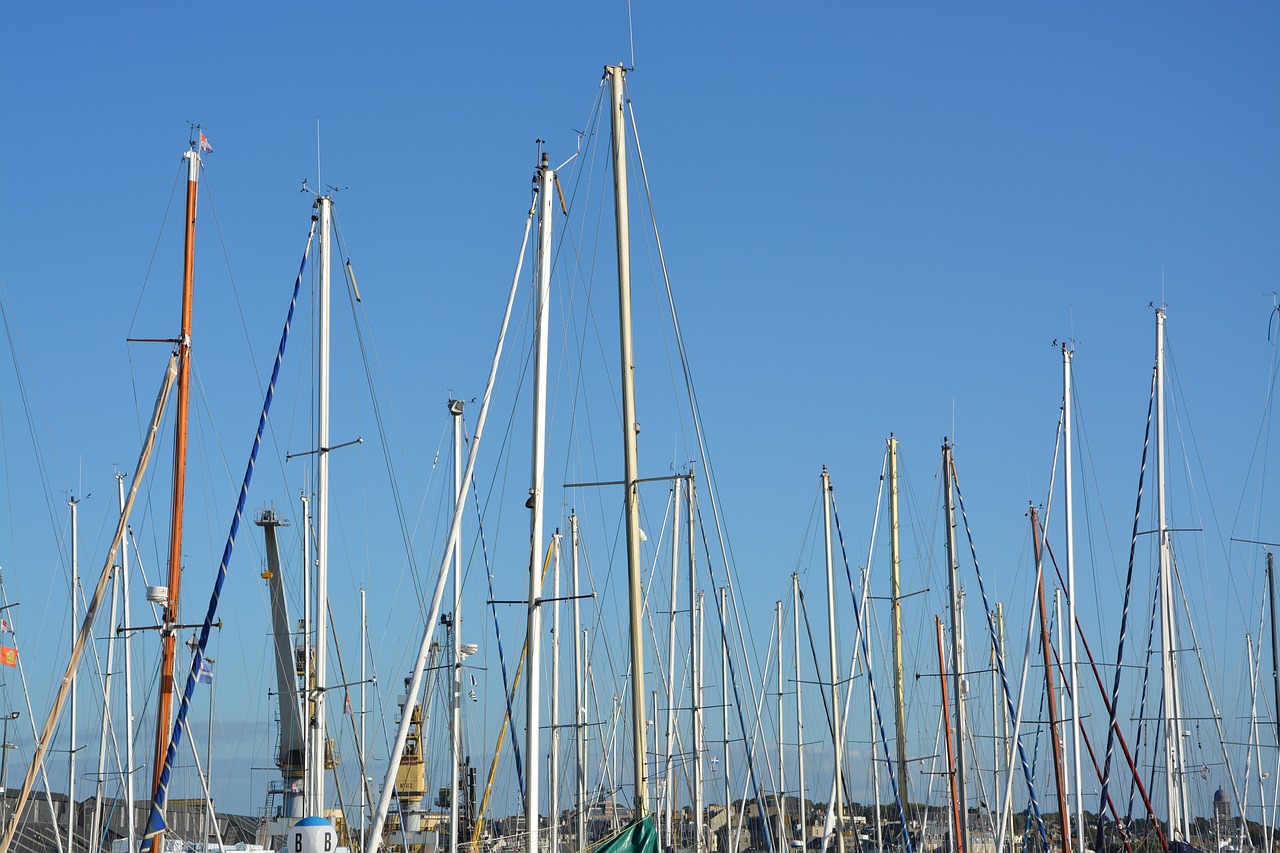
(75, 613)
(1275, 649)
(957, 644)
(837, 804)
(533, 711)
(164, 710)
(128, 673)
(553, 787)
(782, 753)
(1067, 354)
(957, 824)
(669, 787)
(631, 465)
(455, 720)
(899, 689)
(795, 629)
(1168, 634)
(315, 788)
(579, 693)
(1046, 649)
(695, 673)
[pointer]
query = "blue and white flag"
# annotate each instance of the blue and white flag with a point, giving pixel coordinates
(205, 675)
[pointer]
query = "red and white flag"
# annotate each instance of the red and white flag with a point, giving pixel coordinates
(205, 147)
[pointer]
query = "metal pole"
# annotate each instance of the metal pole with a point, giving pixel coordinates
(315, 790)
(695, 674)
(957, 645)
(899, 689)
(669, 786)
(364, 654)
(553, 788)
(542, 315)
(795, 626)
(455, 650)
(579, 693)
(640, 796)
(1067, 354)
(837, 802)
(75, 608)
(128, 676)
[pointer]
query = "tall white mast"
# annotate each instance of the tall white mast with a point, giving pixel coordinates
(957, 645)
(96, 827)
(128, 674)
(579, 694)
(1168, 630)
(75, 615)
(695, 673)
(782, 752)
(1076, 712)
(533, 711)
(364, 655)
(724, 710)
(315, 790)
(669, 787)
(699, 795)
(455, 720)
(837, 801)
(553, 787)
(795, 619)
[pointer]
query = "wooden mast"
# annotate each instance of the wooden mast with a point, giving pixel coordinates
(1048, 686)
(164, 711)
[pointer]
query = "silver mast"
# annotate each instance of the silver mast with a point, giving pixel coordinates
(455, 720)
(579, 693)
(1069, 521)
(75, 612)
(782, 752)
(315, 788)
(669, 786)
(364, 656)
(640, 795)
(533, 695)
(957, 644)
(695, 673)
(837, 801)
(128, 673)
(795, 617)
(553, 786)
(1168, 630)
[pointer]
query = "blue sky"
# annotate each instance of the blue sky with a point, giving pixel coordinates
(878, 217)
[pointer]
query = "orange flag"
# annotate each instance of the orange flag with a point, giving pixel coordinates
(8, 656)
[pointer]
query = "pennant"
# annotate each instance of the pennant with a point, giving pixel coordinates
(8, 656)
(205, 674)
(473, 679)
(5, 627)
(205, 147)
(346, 703)
(474, 697)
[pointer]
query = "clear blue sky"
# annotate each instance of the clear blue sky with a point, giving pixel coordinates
(877, 218)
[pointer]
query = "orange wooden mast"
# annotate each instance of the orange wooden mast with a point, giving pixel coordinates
(164, 712)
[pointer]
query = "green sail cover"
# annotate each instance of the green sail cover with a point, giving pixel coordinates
(639, 837)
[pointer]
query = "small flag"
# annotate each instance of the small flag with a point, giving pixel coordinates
(8, 656)
(473, 679)
(5, 627)
(346, 704)
(472, 694)
(715, 762)
(205, 147)
(205, 674)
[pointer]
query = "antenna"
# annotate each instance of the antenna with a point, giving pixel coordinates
(319, 183)
(631, 36)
